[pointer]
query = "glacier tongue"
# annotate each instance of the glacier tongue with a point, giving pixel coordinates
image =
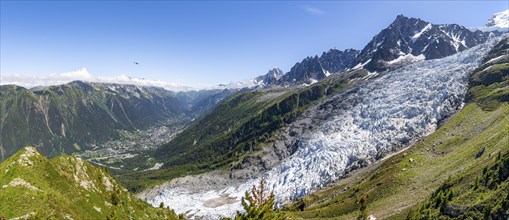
(383, 115)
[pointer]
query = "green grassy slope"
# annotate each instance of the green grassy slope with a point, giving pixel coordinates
(463, 153)
(66, 187)
(474, 193)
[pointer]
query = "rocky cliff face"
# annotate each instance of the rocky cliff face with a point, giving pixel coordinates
(269, 79)
(408, 40)
(314, 69)
(307, 71)
(337, 61)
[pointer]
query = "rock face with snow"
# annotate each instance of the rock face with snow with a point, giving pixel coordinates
(336, 61)
(313, 69)
(411, 39)
(269, 79)
(356, 127)
(499, 20)
(308, 71)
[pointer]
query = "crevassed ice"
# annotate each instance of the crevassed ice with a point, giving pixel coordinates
(384, 115)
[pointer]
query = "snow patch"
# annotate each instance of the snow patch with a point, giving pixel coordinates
(360, 65)
(409, 58)
(327, 73)
(457, 41)
(418, 34)
(311, 82)
(499, 22)
(500, 19)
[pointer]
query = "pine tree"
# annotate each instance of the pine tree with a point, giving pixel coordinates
(258, 205)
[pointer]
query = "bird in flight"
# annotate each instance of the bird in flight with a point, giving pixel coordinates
(136, 62)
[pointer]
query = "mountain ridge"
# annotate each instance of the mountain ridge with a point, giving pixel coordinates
(413, 37)
(74, 116)
(66, 187)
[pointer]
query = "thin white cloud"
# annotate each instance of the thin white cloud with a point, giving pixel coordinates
(313, 10)
(83, 75)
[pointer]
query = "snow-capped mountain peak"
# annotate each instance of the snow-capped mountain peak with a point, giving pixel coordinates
(500, 20)
(271, 78)
(407, 40)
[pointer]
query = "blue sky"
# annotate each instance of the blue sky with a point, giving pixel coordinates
(200, 43)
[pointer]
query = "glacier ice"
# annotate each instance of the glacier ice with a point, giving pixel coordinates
(385, 114)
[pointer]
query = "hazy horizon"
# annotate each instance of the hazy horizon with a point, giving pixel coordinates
(195, 44)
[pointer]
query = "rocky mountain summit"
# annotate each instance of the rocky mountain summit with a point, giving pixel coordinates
(313, 69)
(269, 79)
(408, 40)
(500, 20)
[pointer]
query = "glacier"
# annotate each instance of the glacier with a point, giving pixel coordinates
(376, 117)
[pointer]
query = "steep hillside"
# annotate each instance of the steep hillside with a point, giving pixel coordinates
(69, 117)
(66, 187)
(78, 116)
(475, 193)
(490, 83)
(458, 171)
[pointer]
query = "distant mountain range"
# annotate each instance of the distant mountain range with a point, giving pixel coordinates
(71, 117)
(404, 41)
(313, 69)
